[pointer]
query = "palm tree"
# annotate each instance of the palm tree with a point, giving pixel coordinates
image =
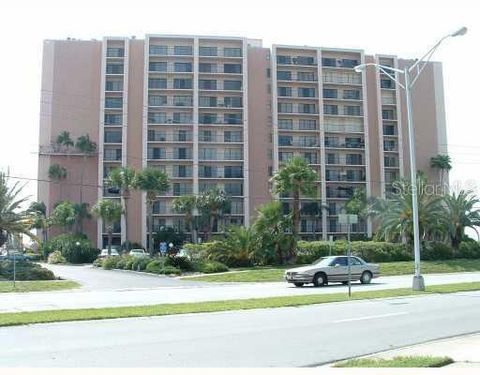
(86, 147)
(272, 228)
(57, 173)
(298, 178)
(14, 220)
(314, 210)
(81, 213)
(213, 203)
(64, 215)
(63, 139)
(110, 211)
(395, 215)
(125, 179)
(186, 205)
(240, 245)
(461, 213)
(154, 182)
(443, 163)
(40, 219)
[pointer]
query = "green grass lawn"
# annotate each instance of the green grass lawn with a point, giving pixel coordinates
(386, 269)
(37, 286)
(32, 317)
(413, 361)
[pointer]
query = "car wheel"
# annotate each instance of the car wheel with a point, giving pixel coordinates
(366, 277)
(319, 279)
(298, 284)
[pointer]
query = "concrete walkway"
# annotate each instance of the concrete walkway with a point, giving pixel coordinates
(464, 350)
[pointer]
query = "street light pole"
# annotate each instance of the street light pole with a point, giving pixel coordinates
(418, 281)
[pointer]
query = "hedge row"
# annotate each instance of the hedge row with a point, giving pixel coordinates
(164, 265)
(24, 270)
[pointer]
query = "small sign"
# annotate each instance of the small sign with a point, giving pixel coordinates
(163, 247)
(347, 219)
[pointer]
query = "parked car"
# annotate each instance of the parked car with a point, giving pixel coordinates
(104, 253)
(138, 253)
(333, 269)
(13, 254)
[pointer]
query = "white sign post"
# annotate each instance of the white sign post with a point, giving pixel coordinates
(348, 219)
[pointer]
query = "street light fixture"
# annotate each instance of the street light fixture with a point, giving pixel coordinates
(418, 281)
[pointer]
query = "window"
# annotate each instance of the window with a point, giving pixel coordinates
(182, 100)
(182, 136)
(232, 68)
(285, 156)
(234, 189)
(113, 102)
(391, 161)
(232, 154)
(353, 159)
(285, 140)
(285, 107)
(236, 207)
(206, 171)
(352, 110)
(305, 124)
(207, 101)
(157, 66)
(112, 136)
(115, 52)
(389, 145)
(158, 50)
(332, 159)
(232, 85)
(284, 59)
(113, 119)
(389, 130)
(232, 136)
(207, 118)
(182, 83)
(113, 154)
(349, 63)
(306, 76)
(157, 83)
(341, 261)
(157, 117)
(306, 92)
(206, 136)
(181, 153)
(182, 118)
(330, 109)
(329, 61)
(285, 124)
(182, 171)
(388, 114)
(387, 84)
(181, 189)
(157, 135)
(233, 172)
(156, 153)
(183, 67)
(307, 108)
(208, 51)
(207, 153)
(114, 68)
(284, 91)
(232, 52)
(183, 50)
(207, 68)
(304, 60)
(232, 118)
(157, 100)
(351, 94)
(111, 85)
(330, 93)
(207, 84)
(353, 142)
(284, 75)
(233, 101)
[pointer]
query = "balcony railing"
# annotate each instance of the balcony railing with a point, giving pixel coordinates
(344, 128)
(345, 144)
(169, 137)
(342, 79)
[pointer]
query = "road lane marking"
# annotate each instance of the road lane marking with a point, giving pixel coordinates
(371, 317)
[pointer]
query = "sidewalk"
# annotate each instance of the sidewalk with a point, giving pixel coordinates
(464, 350)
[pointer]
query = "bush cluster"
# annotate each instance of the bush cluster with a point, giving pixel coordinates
(74, 248)
(24, 270)
(56, 258)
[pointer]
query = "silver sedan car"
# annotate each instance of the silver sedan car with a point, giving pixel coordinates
(333, 269)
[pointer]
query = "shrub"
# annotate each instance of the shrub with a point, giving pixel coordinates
(110, 262)
(74, 248)
(56, 258)
(24, 270)
(436, 251)
(122, 262)
(169, 270)
(140, 263)
(214, 267)
(129, 263)
(155, 266)
(179, 262)
(470, 250)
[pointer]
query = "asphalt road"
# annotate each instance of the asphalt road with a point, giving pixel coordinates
(114, 293)
(302, 336)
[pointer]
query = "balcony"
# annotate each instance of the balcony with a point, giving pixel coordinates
(235, 155)
(331, 62)
(342, 79)
(219, 139)
(156, 136)
(344, 160)
(345, 176)
(162, 154)
(163, 50)
(344, 128)
(115, 52)
(338, 144)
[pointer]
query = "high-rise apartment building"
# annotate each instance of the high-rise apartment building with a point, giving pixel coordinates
(226, 112)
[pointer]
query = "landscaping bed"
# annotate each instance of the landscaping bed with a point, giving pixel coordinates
(411, 362)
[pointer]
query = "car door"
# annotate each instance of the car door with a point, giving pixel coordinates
(356, 268)
(338, 269)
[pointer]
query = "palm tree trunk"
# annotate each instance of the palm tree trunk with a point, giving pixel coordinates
(110, 230)
(81, 178)
(125, 215)
(296, 222)
(150, 227)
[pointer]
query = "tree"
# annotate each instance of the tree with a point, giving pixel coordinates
(298, 178)
(273, 230)
(395, 215)
(125, 179)
(213, 203)
(14, 220)
(64, 141)
(240, 245)
(314, 210)
(64, 215)
(57, 173)
(81, 213)
(462, 212)
(86, 147)
(186, 205)
(40, 220)
(154, 182)
(109, 211)
(443, 163)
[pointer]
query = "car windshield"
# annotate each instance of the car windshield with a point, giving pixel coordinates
(322, 261)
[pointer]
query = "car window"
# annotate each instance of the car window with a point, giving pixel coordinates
(355, 261)
(341, 261)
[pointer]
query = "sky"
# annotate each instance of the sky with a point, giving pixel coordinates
(407, 29)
